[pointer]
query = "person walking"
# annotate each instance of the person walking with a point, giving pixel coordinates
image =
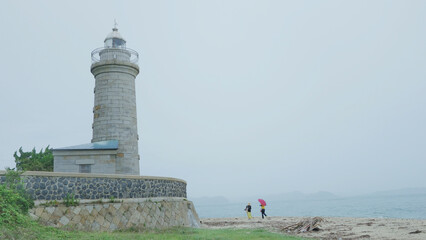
(248, 210)
(262, 210)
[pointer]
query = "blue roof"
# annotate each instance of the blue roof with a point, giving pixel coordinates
(103, 145)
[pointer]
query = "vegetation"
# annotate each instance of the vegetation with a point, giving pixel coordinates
(14, 201)
(35, 231)
(51, 203)
(33, 161)
(70, 200)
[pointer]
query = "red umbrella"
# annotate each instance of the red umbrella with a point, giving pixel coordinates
(262, 202)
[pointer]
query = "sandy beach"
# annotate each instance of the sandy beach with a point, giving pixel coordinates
(332, 227)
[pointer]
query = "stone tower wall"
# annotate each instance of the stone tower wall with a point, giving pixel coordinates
(114, 112)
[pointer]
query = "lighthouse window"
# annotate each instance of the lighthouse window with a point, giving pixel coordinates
(118, 42)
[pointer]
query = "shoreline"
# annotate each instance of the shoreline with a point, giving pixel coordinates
(331, 228)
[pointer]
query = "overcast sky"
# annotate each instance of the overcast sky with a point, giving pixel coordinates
(235, 97)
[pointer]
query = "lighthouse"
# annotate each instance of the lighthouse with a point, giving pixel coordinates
(114, 145)
(115, 68)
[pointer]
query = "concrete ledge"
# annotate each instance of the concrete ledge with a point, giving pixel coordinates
(112, 66)
(83, 152)
(124, 200)
(85, 161)
(93, 175)
(115, 62)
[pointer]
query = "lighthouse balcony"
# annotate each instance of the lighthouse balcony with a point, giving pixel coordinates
(119, 54)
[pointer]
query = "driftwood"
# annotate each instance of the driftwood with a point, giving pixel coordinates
(306, 225)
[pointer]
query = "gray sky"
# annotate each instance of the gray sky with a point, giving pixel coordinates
(235, 97)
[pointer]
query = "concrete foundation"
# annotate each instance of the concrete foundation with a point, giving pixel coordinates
(118, 214)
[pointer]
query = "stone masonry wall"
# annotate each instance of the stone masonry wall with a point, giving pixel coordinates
(120, 214)
(56, 186)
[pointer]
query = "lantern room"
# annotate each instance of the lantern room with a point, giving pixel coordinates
(114, 40)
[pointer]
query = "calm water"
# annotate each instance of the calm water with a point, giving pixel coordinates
(407, 206)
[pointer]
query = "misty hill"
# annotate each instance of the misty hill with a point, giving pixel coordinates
(291, 196)
(209, 200)
(299, 196)
(399, 192)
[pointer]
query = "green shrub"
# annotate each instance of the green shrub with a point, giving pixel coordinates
(34, 161)
(13, 206)
(14, 201)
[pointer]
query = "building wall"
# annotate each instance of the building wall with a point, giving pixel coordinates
(100, 161)
(57, 186)
(120, 214)
(114, 112)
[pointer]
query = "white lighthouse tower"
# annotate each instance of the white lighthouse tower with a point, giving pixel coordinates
(115, 68)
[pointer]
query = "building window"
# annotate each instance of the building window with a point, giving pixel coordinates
(85, 168)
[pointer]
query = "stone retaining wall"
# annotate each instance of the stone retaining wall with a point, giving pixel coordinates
(57, 186)
(120, 214)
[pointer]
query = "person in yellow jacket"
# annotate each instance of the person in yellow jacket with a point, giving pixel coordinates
(262, 210)
(248, 210)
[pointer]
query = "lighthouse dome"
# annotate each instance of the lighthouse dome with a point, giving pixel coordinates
(115, 40)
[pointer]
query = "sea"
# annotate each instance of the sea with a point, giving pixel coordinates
(394, 206)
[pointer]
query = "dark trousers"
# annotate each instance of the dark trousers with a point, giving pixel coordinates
(263, 212)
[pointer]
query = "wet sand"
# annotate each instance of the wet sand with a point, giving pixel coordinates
(332, 227)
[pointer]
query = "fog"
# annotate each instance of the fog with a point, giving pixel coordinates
(238, 98)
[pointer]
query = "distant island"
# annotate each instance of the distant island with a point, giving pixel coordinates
(297, 195)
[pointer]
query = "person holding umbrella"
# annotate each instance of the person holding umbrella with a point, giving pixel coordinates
(262, 207)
